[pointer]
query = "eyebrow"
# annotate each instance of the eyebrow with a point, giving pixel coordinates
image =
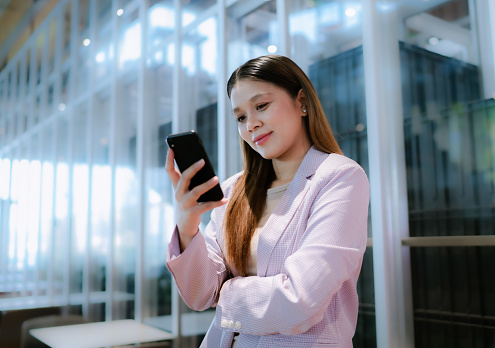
(254, 97)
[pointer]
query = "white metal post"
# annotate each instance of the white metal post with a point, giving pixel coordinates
(283, 27)
(176, 126)
(389, 206)
(484, 14)
(141, 133)
(222, 119)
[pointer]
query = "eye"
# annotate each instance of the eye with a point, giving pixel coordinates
(261, 106)
(240, 118)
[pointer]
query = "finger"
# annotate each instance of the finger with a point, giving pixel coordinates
(188, 174)
(204, 187)
(172, 172)
(206, 206)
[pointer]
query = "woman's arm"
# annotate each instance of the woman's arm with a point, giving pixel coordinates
(189, 211)
(329, 254)
(200, 270)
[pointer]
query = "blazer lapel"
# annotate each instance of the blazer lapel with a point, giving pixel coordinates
(286, 208)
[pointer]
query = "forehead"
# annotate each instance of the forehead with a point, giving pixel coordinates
(249, 90)
(252, 86)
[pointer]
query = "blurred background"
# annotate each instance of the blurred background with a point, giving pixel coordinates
(89, 89)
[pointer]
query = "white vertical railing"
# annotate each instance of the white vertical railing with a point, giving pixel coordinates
(141, 133)
(112, 136)
(176, 127)
(86, 304)
(389, 205)
(484, 26)
(222, 119)
(283, 28)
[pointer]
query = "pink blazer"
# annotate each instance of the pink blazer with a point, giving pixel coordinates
(309, 258)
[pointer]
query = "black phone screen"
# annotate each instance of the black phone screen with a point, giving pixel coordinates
(188, 149)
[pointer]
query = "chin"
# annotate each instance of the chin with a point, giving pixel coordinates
(267, 154)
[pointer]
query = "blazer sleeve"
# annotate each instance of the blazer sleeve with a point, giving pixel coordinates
(200, 270)
(329, 253)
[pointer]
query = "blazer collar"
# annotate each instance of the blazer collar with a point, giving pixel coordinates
(286, 208)
(310, 163)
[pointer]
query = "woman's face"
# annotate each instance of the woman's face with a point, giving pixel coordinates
(269, 119)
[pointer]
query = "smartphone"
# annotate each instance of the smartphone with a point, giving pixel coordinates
(188, 149)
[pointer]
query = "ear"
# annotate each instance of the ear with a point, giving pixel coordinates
(302, 103)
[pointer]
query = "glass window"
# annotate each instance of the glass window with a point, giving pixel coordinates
(52, 39)
(448, 130)
(27, 73)
(50, 100)
(38, 109)
(61, 224)
(66, 26)
(193, 9)
(129, 40)
(126, 196)
(46, 210)
(252, 31)
(33, 230)
(39, 43)
(80, 199)
(100, 204)
(64, 91)
(159, 211)
(104, 51)
(83, 50)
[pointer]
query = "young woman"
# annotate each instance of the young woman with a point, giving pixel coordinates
(281, 256)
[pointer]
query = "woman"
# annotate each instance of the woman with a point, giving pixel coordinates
(281, 260)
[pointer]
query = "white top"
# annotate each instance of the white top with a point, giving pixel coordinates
(273, 196)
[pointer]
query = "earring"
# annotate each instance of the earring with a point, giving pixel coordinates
(304, 110)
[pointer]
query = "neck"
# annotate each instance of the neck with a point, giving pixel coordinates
(285, 168)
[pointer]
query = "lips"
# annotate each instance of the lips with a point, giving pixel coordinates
(261, 139)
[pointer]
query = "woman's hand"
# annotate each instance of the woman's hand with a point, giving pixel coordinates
(189, 211)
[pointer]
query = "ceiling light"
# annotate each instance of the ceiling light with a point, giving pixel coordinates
(433, 40)
(272, 49)
(350, 12)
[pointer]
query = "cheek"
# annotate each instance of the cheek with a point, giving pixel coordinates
(243, 132)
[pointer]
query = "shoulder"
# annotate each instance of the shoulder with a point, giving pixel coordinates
(338, 167)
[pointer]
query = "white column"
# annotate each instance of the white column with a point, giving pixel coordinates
(485, 13)
(389, 208)
(176, 126)
(222, 110)
(283, 28)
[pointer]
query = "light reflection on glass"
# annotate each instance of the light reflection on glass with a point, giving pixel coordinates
(34, 210)
(22, 212)
(62, 191)
(187, 18)
(125, 180)
(12, 229)
(208, 29)
(100, 203)
(14, 189)
(5, 175)
(80, 190)
(46, 205)
(131, 44)
(188, 61)
(160, 16)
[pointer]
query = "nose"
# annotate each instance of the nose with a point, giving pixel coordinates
(253, 123)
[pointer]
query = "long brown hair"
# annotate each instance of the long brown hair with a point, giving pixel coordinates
(248, 199)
